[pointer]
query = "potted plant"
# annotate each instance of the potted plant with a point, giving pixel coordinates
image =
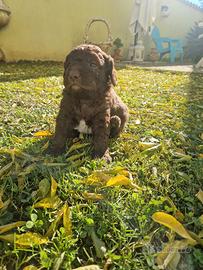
(117, 53)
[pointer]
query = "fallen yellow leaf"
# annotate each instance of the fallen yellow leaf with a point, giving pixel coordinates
(18, 153)
(52, 228)
(54, 185)
(127, 136)
(30, 239)
(58, 261)
(113, 177)
(67, 220)
(75, 157)
(145, 145)
(7, 237)
(120, 180)
(43, 133)
(49, 202)
(76, 146)
(199, 195)
(181, 156)
(133, 112)
(196, 238)
(44, 188)
(172, 223)
(6, 169)
(126, 173)
(169, 257)
(98, 178)
(4, 205)
(26, 239)
(93, 196)
(11, 226)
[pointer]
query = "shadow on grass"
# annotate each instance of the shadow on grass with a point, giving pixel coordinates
(193, 170)
(192, 143)
(193, 120)
(24, 70)
(194, 123)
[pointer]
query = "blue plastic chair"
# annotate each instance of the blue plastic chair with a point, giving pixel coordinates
(173, 46)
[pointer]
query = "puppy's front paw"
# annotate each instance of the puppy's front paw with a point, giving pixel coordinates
(106, 156)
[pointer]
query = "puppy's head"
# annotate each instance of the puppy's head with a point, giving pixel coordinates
(88, 69)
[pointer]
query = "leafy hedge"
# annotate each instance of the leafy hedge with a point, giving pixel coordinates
(194, 43)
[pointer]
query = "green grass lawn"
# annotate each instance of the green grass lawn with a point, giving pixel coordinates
(113, 227)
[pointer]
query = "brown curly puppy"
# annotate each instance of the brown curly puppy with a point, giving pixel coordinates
(89, 103)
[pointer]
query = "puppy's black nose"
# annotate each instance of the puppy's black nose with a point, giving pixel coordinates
(74, 75)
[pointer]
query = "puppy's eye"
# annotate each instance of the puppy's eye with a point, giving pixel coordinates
(93, 65)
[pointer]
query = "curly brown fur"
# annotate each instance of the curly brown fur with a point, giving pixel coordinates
(88, 95)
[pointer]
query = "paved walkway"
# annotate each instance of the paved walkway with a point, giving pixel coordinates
(181, 68)
(162, 67)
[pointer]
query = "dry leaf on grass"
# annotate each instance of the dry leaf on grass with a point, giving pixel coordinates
(93, 196)
(54, 186)
(146, 145)
(117, 176)
(53, 227)
(172, 223)
(26, 239)
(169, 257)
(3, 204)
(6, 169)
(43, 133)
(76, 146)
(199, 195)
(11, 226)
(121, 180)
(49, 202)
(67, 220)
(52, 201)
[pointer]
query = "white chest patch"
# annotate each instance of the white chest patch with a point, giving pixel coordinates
(83, 128)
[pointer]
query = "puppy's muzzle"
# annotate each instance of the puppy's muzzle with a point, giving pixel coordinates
(74, 76)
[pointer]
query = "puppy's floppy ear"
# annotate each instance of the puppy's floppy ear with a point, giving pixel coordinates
(111, 73)
(66, 62)
(65, 71)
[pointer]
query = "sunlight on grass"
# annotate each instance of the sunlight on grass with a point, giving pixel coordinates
(100, 213)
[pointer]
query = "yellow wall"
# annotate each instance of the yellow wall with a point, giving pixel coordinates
(48, 29)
